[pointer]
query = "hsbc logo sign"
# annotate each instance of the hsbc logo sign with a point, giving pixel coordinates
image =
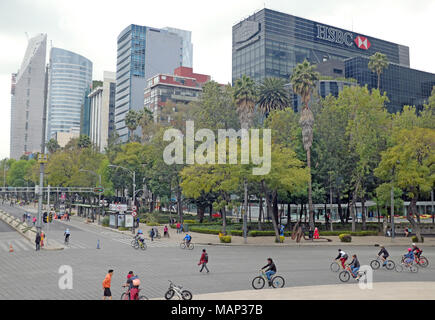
(342, 37)
(362, 42)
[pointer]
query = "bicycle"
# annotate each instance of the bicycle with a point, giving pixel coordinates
(140, 244)
(177, 290)
(259, 281)
(66, 241)
(345, 275)
(409, 267)
(126, 295)
(335, 266)
(376, 264)
(422, 261)
(185, 245)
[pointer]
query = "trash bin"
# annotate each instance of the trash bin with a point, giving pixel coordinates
(186, 227)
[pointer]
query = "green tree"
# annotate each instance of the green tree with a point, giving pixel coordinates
(245, 97)
(303, 81)
(132, 119)
(52, 145)
(377, 63)
(410, 165)
(273, 95)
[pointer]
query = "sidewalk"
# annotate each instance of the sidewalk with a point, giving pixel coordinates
(211, 239)
(380, 291)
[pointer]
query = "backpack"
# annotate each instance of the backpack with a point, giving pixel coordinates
(136, 282)
(206, 257)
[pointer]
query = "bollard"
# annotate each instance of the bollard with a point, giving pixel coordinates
(98, 244)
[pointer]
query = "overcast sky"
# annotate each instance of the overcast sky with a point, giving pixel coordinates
(90, 28)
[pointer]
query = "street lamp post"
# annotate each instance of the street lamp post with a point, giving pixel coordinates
(99, 193)
(134, 186)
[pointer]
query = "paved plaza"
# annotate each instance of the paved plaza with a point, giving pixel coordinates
(27, 274)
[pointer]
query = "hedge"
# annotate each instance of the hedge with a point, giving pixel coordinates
(203, 230)
(345, 237)
(415, 239)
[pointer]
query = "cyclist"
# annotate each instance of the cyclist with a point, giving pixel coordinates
(409, 257)
(187, 239)
(133, 283)
(271, 270)
(66, 235)
(354, 266)
(140, 236)
(417, 251)
(342, 256)
(384, 255)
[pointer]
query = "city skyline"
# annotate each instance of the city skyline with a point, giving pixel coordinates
(70, 28)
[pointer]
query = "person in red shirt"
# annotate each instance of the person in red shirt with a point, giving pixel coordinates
(178, 227)
(203, 260)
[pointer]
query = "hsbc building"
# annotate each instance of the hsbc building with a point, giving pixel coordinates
(270, 43)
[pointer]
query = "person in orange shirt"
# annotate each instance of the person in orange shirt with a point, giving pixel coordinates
(106, 285)
(42, 238)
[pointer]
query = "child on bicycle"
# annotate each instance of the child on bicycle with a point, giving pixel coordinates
(409, 257)
(140, 236)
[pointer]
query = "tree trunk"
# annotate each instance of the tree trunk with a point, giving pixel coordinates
(269, 208)
(260, 212)
(310, 199)
(289, 216)
(179, 204)
(352, 210)
(410, 217)
(211, 212)
(224, 221)
(363, 214)
(201, 211)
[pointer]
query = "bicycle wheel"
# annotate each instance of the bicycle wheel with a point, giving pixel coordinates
(390, 265)
(399, 268)
(169, 294)
(136, 246)
(375, 264)
(182, 245)
(186, 295)
(344, 276)
(190, 247)
(143, 298)
(258, 283)
(413, 269)
(124, 296)
(335, 267)
(133, 243)
(424, 262)
(278, 282)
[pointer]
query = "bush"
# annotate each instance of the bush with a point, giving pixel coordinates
(281, 239)
(345, 237)
(415, 239)
(203, 230)
(123, 229)
(190, 221)
(105, 222)
(236, 233)
(153, 224)
(356, 234)
(225, 239)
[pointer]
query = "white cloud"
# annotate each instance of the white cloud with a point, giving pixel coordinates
(90, 28)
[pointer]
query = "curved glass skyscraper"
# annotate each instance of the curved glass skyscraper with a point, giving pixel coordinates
(69, 76)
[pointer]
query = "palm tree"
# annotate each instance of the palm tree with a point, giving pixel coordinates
(303, 81)
(378, 62)
(52, 146)
(132, 121)
(245, 96)
(273, 95)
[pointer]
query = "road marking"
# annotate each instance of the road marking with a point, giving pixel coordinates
(4, 246)
(20, 244)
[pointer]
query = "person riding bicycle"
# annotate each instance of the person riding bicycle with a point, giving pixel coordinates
(133, 283)
(66, 235)
(187, 239)
(354, 266)
(409, 257)
(384, 255)
(342, 256)
(416, 250)
(271, 270)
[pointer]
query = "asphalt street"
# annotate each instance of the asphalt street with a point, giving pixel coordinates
(26, 274)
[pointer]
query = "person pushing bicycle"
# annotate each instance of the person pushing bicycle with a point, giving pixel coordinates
(271, 270)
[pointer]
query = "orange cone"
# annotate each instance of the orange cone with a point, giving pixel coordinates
(10, 248)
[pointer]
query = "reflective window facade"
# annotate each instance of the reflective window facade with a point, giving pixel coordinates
(70, 76)
(271, 43)
(404, 86)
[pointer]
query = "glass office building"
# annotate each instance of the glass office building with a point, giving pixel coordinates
(70, 75)
(271, 43)
(404, 86)
(142, 53)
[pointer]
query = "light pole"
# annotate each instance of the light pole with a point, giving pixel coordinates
(99, 193)
(134, 185)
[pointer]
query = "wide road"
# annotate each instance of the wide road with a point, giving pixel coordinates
(27, 274)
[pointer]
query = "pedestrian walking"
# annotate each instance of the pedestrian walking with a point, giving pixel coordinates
(178, 227)
(106, 285)
(34, 221)
(181, 228)
(166, 232)
(152, 234)
(38, 241)
(203, 261)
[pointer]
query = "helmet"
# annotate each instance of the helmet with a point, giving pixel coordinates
(409, 249)
(139, 231)
(413, 244)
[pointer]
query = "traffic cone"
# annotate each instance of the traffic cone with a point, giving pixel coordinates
(98, 244)
(10, 248)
